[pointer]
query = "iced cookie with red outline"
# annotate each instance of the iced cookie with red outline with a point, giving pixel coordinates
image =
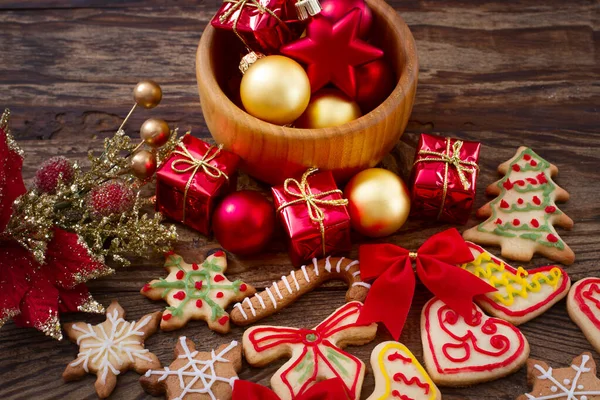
(583, 305)
(577, 382)
(462, 353)
(196, 292)
(522, 295)
(521, 219)
(398, 375)
(283, 293)
(315, 354)
(110, 348)
(195, 374)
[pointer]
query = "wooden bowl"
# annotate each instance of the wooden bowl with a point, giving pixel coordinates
(273, 153)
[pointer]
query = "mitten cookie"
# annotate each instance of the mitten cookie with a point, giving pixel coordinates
(521, 219)
(298, 282)
(522, 295)
(315, 354)
(577, 382)
(112, 347)
(196, 375)
(583, 305)
(462, 353)
(398, 375)
(196, 291)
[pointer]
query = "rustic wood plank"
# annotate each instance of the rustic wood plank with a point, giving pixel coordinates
(503, 73)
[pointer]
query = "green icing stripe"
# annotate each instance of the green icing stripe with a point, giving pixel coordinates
(337, 359)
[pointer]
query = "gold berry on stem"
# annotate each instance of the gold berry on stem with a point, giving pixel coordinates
(378, 202)
(143, 164)
(275, 89)
(147, 94)
(155, 132)
(327, 108)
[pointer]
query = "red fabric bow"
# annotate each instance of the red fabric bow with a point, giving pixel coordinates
(31, 293)
(391, 294)
(330, 389)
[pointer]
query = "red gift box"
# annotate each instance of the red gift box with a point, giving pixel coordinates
(314, 215)
(444, 178)
(262, 25)
(191, 180)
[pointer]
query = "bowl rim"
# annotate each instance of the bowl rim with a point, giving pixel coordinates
(404, 86)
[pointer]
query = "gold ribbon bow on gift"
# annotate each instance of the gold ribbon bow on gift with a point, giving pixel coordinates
(450, 157)
(193, 164)
(312, 200)
(239, 5)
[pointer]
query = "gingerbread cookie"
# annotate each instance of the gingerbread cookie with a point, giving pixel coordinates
(298, 282)
(196, 375)
(462, 353)
(196, 291)
(583, 305)
(577, 382)
(315, 354)
(521, 219)
(111, 347)
(522, 295)
(398, 375)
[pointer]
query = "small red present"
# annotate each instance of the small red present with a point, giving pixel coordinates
(191, 180)
(444, 178)
(314, 215)
(262, 25)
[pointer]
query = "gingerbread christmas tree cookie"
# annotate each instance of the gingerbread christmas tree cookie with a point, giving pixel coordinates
(522, 218)
(577, 382)
(112, 347)
(315, 354)
(197, 291)
(196, 375)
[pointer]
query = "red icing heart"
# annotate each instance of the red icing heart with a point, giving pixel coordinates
(587, 298)
(500, 310)
(456, 345)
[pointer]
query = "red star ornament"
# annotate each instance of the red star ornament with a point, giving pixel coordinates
(332, 51)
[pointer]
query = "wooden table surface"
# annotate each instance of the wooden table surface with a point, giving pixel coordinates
(506, 73)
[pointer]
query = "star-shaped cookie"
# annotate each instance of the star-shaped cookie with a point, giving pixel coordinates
(112, 347)
(197, 375)
(197, 291)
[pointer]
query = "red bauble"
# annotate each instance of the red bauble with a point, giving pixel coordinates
(51, 171)
(375, 81)
(336, 9)
(244, 222)
(332, 51)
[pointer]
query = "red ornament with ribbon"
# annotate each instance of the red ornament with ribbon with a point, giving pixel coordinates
(261, 25)
(192, 179)
(443, 179)
(329, 389)
(34, 292)
(314, 215)
(437, 266)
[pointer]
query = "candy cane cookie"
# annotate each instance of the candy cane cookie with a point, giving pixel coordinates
(290, 287)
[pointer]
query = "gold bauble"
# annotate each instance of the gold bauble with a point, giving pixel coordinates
(327, 108)
(275, 89)
(155, 132)
(378, 202)
(147, 94)
(143, 164)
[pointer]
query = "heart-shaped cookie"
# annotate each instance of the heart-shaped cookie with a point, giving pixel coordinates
(583, 305)
(398, 375)
(462, 353)
(522, 295)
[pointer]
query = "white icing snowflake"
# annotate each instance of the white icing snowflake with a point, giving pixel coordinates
(202, 372)
(576, 391)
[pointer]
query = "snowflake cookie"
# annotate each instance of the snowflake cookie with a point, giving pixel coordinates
(112, 347)
(315, 354)
(577, 382)
(196, 375)
(197, 291)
